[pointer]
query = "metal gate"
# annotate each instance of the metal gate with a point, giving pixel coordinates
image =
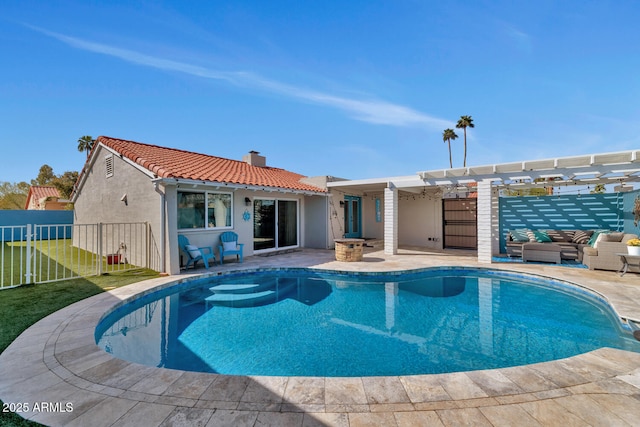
(36, 253)
(460, 223)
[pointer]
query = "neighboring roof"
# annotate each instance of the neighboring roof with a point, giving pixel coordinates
(166, 162)
(39, 192)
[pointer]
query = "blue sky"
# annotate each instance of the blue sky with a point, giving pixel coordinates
(356, 89)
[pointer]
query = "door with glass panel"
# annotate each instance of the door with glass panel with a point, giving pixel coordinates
(352, 217)
(275, 224)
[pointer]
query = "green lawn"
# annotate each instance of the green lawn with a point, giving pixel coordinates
(53, 259)
(21, 307)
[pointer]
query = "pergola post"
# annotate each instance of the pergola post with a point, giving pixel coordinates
(487, 233)
(390, 220)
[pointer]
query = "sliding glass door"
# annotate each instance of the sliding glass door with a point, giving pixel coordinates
(275, 224)
(287, 223)
(264, 224)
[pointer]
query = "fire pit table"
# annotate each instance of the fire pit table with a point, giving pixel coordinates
(349, 250)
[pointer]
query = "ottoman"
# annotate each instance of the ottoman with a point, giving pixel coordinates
(544, 252)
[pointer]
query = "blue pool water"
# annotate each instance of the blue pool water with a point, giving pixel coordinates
(304, 323)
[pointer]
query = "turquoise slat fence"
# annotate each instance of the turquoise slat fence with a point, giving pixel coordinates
(569, 212)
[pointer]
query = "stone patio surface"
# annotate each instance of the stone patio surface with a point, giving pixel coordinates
(58, 361)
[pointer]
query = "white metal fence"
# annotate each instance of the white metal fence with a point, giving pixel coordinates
(35, 253)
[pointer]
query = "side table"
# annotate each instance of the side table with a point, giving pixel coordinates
(626, 261)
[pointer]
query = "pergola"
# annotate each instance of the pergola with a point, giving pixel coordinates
(618, 169)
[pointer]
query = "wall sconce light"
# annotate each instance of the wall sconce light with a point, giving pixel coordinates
(124, 199)
(247, 201)
(342, 203)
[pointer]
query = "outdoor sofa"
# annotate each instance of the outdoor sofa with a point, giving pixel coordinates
(596, 249)
(569, 242)
(603, 255)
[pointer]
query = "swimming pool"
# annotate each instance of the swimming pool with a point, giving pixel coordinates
(301, 322)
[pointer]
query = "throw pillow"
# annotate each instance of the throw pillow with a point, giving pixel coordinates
(581, 237)
(519, 235)
(539, 236)
(595, 236)
(542, 236)
(613, 237)
(229, 246)
(601, 238)
(193, 251)
(561, 235)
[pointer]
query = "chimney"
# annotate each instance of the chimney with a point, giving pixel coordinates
(255, 159)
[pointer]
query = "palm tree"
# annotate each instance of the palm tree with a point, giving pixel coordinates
(85, 143)
(447, 136)
(464, 123)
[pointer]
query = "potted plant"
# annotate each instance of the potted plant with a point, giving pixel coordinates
(633, 247)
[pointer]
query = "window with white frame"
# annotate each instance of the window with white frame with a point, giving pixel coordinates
(205, 210)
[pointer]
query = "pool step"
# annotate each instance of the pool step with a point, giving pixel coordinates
(234, 288)
(238, 297)
(248, 294)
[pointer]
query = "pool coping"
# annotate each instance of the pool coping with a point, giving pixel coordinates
(57, 361)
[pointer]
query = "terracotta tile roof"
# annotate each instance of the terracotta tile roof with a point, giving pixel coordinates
(173, 163)
(39, 192)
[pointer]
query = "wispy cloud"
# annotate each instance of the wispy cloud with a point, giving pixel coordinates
(367, 110)
(519, 38)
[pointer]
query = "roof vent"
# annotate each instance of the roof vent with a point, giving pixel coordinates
(255, 159)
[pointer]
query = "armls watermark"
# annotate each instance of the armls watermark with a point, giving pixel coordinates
(23, 407)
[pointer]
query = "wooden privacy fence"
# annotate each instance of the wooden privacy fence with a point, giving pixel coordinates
(35, 253)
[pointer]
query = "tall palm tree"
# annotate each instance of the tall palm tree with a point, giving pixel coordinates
(464, 123)
(85, 143)
(447, 136)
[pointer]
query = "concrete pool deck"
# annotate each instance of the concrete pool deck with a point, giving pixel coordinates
(57, 361)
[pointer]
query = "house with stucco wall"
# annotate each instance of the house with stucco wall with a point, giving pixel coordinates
(271, 209)
(200, 196)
